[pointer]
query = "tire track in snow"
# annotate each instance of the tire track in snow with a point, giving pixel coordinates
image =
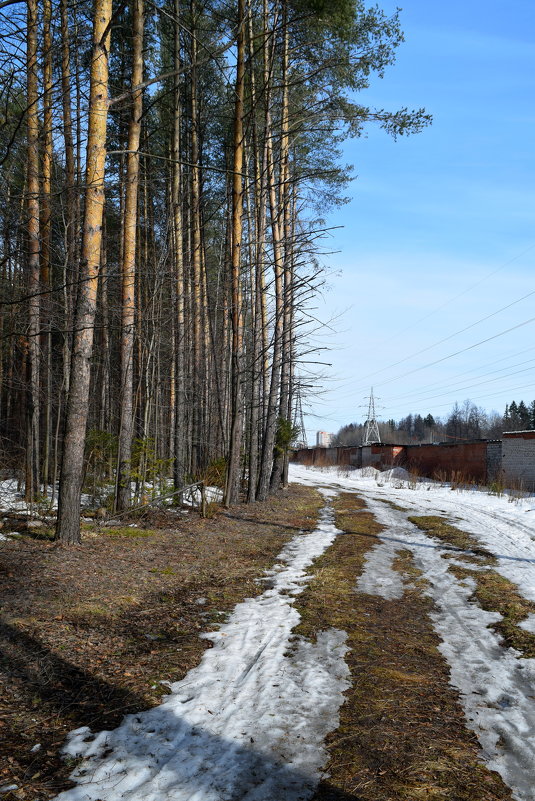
(507, 537)
(248, 724)
(497, 689)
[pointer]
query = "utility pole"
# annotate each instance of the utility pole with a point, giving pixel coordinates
(371, 431)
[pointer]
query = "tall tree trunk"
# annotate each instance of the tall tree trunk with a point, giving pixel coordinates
(196, 245)
(70, 199)
(257, 247)
(236, 431)
(46, 234)
(180, 451)
(270, 427)
(126, 428)
(33, 231)
(284, 208)
(68, 526)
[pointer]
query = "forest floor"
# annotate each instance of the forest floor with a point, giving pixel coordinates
(387, 643)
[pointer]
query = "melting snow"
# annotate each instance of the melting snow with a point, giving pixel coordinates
(248, 723)
(496, 687)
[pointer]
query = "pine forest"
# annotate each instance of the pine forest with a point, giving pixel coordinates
(165, 171)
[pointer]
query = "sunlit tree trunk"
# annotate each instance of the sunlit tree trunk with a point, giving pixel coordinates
(284, 209)
(236, 431)
(270, 426)
(33, 233)
(122, 496)
(179, 456)
(68, 525)
(70, 195)
(257, 248)
(46, 218)
(196, 244)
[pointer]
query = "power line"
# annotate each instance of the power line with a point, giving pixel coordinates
(460, 294)
(450, 336)
(447, 382)
(463, 350)
(471, 386)
(417, 394)
(508, 391)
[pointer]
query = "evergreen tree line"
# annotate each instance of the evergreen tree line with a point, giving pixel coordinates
(466, 421)
(164, 171)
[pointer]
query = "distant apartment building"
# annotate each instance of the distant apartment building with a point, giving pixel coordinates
(323, 439)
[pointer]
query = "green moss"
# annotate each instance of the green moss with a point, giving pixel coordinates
(128, 531)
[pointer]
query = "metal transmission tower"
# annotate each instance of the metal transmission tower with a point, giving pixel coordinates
(299, 421)
(371, 431)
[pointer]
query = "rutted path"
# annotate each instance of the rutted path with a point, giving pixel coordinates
(495, 685)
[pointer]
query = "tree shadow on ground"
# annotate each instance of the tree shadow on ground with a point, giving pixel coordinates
(182, 758)
(61, 684)
(283, 526)
(162, 753)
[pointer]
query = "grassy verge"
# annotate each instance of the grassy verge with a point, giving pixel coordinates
(438, 527)
(493, 592)
(402, 735)
(88, 633)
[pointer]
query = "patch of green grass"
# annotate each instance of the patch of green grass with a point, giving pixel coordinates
(128, 531)
(438, 527)
(45, 533)
(89, 614)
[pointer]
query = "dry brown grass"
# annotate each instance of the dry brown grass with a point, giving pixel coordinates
(495, 593)
(439, 527)
(353, 517)
(402, 735)
(88, 633)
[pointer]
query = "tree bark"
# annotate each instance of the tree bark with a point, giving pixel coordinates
(180, 451)
(196, 259)
(236, 431)
(270, 428)
(70, 196)
(284, 208)
(46, 218)
(68, 525)
(126, 428)
(34, 246)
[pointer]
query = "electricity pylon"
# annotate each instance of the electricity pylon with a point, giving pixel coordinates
(371, 431)
(299, 421)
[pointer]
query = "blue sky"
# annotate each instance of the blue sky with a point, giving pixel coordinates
(431, 217)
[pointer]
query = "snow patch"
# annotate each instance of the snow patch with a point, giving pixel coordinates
(528, 624)
(249, 722)
(193, 496)
(378, 576)
(396, 472)
(495, 685)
